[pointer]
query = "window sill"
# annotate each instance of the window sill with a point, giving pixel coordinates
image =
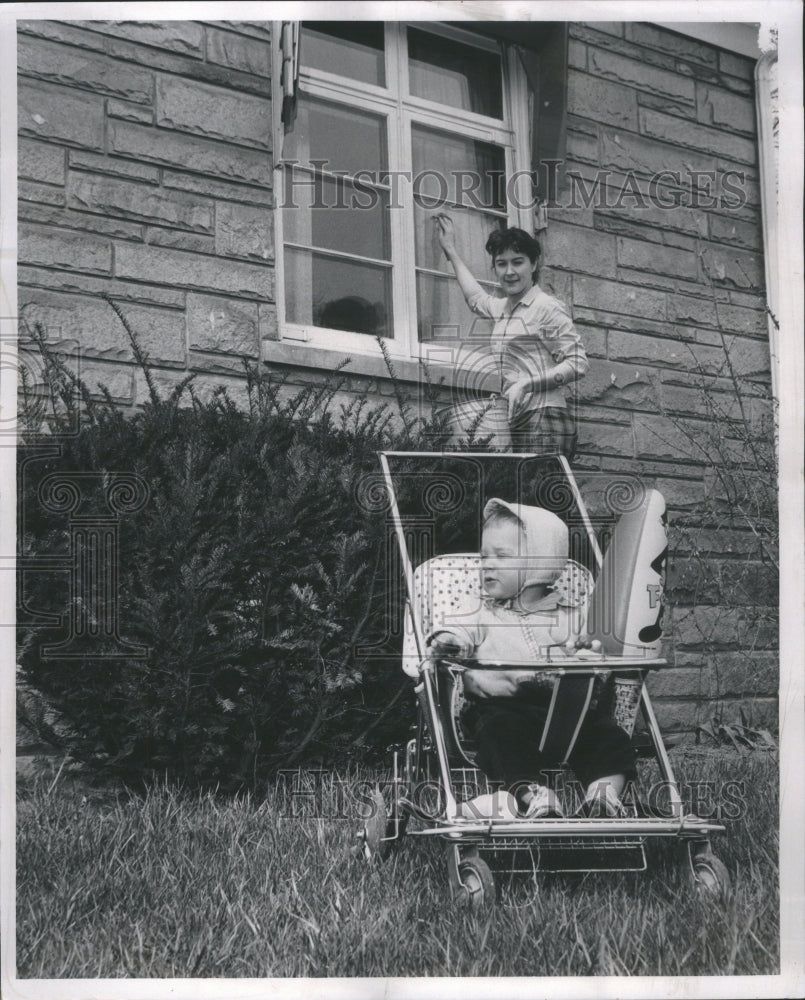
(276, 352)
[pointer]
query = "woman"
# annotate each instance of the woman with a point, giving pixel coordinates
(538, 349)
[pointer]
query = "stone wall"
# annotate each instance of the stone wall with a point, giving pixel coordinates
(145, 173)
(653, 290)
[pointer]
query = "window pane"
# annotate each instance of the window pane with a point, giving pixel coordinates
(472, 232)
(347, 48)
(442, 313)
(345, 139)
(336, 215)
(339, 294)
(462, 76)
(451, 168)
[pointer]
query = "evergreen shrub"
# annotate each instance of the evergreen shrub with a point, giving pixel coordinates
(251, 573)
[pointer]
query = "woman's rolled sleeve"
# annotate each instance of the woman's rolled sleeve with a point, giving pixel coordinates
(488, 306)
(564, 342)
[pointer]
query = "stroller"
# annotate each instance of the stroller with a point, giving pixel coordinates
(435, 777)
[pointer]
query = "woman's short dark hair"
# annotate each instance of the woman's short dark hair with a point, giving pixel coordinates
(513, 239)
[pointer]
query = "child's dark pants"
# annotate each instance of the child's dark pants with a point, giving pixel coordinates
(508, 731)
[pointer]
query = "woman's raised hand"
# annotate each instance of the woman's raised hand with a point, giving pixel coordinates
(445, 231)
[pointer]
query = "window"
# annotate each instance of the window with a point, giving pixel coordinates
(393, 123)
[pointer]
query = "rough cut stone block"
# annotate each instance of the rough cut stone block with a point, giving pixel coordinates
(612, 383)
(699, 137)
(667, 104)
(251, 55)
(206, 386)
(730, 266)
(65, 219)
(656, 219)
(761, 713)
(669, 283)
(118, 379)
(216, 364)
(60, 31)
(181, 239)
(269, 323)
(93, 324)
(591, 97)
(659, 438)
(77, 252)
(606, 439)
(55, 113)
(184, 37)
(576, 249)
(557, 283)
(686, 401)
(667, 41)
(176, 267)
(618, 298)
(110, 196)
(98, 163)
(693, 311)
(676, 682)
(707, 627)
(675, 716)
(626, 151)
(681, 493)
(39, 161)
(736, 319)
(743, 193)
(70, 67)
(641, 75)
(748, 357)
(578, 215)
(746, 672)
(213, 112)
(735, 231)
(593, 339)
(190, 153)
(129, 112)
(651, 257)
(582, 147)
(608, 27)
(132, 292)
(218, 189)
(222, 325)
(752, 300)
(726, 110)
(39, 193)
(244, 231)
(736, 65)
(254, 29)
(165, 381)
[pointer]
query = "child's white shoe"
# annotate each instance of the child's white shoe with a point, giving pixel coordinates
(495, 805)
(543, 804)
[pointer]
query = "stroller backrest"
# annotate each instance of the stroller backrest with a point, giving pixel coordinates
(447, 588)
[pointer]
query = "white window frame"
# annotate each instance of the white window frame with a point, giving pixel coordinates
(402, 111)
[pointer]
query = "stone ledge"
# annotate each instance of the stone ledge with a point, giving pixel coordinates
(407, 371)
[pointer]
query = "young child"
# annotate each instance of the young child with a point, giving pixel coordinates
(524, 550)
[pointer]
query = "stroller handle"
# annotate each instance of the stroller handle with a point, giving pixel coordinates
(568, 665)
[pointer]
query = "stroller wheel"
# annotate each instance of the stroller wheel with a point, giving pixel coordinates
(471, 879)
(372, 829)
(710, 874)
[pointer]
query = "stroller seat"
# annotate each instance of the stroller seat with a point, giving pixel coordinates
(447, 590)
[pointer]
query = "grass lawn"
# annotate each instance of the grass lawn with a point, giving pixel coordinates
(172, 884)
